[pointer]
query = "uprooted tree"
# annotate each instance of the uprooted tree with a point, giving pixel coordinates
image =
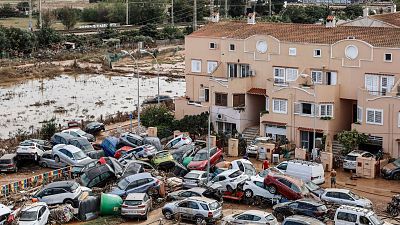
(351, 140)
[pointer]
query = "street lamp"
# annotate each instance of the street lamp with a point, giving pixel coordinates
(208, 138)
(126, 53)
(158, 73)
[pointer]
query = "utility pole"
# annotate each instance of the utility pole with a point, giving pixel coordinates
(30, 16)
(270, 8)
(40, 14)
(211, 7)
(127, 12)
(195, 15)
(226, 8)
(172, 13)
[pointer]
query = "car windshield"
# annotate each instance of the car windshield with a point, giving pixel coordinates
(397, 162)
(28, 216)
(192, 175)
(76, 169)
(312, 186)
(355, 196)
(351, 157)
(85, 179)
(80, 132)
(236, 174)
(249, 169)
(215, 205)
(375, 219)
(177, 155)
(123, 184)
(133, 202)
(5, 161)
(200, 156)
(79, 155)
(74, 186)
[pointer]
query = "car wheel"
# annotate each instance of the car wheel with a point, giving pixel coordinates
(396, 176)
(200, 220)
(57, 158)
(168, 214)
(43, 164)
(279, 216)
(229, 188)
(272, 189)
(248, 193)
(69, 202)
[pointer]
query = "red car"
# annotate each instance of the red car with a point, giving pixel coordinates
(122, 151)
(199, 161)
(290, 188)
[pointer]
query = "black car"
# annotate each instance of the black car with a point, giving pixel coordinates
(98, 176)
(392, 170)
(61, 138)
(163, 98)
(300, 207)
(182, 152)
(80, 168)
(179, 170)
(134, 140)
(94, 127)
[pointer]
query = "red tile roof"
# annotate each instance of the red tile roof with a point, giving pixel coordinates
(302, 33)
(257, 91)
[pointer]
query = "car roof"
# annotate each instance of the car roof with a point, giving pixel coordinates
(56, 184)
(357, 152)
(242, 161)
(34, 207)
(135, 196)
(199, 190)
(291, 179)
(203, 199)
(303, 162)
(80, 139)
(228, 172)
(341, 190)
(70, 148)
(95, 171)
(309, 201)
(134, 177)
(64, 135)
(132, 135)
(113, 140)
(8, 156)
(258, 212)
(310, 220)
(354, 208)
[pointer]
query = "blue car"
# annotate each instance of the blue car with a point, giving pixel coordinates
(137, 183)
(110, 146)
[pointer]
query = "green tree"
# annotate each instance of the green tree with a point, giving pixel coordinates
(145, 11)
(47, 36)
(117, 13)
(48, 129)
(48, 18)
(237, 8)
(156, 115)
(68, 17)
(351, 140)
(108, 33)
(21, 40)
(7, 11)
(5, 43)
(353, 11)
(149, 30)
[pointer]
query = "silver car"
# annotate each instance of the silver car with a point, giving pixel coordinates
(250, 217)
(194, 178)
(69, 154)
(345, 197)
(136, 205)
(47, 161)
(198, 209)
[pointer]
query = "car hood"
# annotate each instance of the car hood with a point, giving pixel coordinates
(197, 163)
(117, 191)
(228, 218)
(389, 167)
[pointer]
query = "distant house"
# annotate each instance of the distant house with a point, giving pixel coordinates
(379, 20)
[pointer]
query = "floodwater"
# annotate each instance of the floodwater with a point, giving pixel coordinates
(25, 105)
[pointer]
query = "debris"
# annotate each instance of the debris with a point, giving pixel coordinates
(61, 214)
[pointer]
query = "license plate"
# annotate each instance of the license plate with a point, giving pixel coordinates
(191, 181)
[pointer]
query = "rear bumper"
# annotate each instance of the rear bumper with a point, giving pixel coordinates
(7, 169)
(214, 219)
(133, 212)
(26, 155)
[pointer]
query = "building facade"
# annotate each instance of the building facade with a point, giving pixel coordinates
(294, 79)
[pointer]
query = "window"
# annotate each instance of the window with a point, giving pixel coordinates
(347, 217)
(193, 205)
(291, 74)
(221, 99)
(326, 110)
(204, 206)
(279, 75)
(364, 220)
(378, 85)
(267, 103)
(239, 100)
(304, 108)
(196, 66)
(283, 75)
(279, 106)
(211, 66)
(332, 195)
(359, 114)
(317, 52)
(292, 51)
(204, 94)
(388, 57)
(238, 70)
(345, 197)
(316, 77)
(232, 47)
(374, 116)
(213, 45)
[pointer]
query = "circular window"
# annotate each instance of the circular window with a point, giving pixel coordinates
(351, 52)
(262, 46)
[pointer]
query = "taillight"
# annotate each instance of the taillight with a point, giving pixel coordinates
(158, 182)
(124, 206)
(10, 165)
(183, 138)
(141, 206)
(210, 214)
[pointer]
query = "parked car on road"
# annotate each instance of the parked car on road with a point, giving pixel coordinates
(69, 154)
(392, 170)
(47, 161)
(245, 166)
(98, 176)
(194, 178)
(138, 183)
(61, 192)
(76, 132)
(110, 145)
(228, 180)
(9, 162)
(300, 207)
(136, 205)
(255, 187)
(178, 142)
(163, 160)
(200, 160)
(36, 214)
(345, 197)
(350, 161)
(250, 217)
(350, 215)
(301, 220)
(29, 150)
(94, 127)
(198, 209)
(253, 148)
(304, 170)
(288, 187)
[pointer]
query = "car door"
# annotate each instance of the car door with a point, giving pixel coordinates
(260, 189)
(346, 199)
(244, 219)
(214, 156)
(284, 187)
(131, 188)
(46, 196)
(343, 218)
(59, 194)
(194, 210)
(222, 181)
(65, 157)
(183, 210)
(305, 209)
(42, 216)
(332, 196)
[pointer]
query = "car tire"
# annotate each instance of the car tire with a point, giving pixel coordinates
(248, 193)
(279, 216)
(168, 214)
(199, 220)
(272, 189)
(57, 159)
(43, 164)
(396, 176)
(69, 202)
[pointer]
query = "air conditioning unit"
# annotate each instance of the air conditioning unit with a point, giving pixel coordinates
(252, 72)
(220, 117)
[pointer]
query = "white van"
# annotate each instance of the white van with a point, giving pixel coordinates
(351, 215)
(305, 170)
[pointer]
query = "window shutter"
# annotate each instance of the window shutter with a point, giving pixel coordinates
(283, 106)
(267, 103)
(275, 105)
(202, 94)
(370, 116)
(359, 114)
(291, 74)
(378, 117)
(371, 84)
(297, 108)
(398, 119)
(323, 110)
(333, 78)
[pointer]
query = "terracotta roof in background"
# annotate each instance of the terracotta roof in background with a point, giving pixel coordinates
(302, 33)
(257, 91)
(391, 18)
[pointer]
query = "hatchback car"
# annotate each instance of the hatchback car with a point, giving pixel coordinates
(301, 220)
(200, 160)
(345, 197)
(194, 178)
(61, 192)
(136, 205)
(45, 145)
(255, 187)
(98, 176)
(178, 142)
(138, 183)
(228, 180)
(198, 209)
(76, 132)
(350, 161)
(250, 217)
(8, 162)
(288, 187)
(35, 214)
(94, 127)
(163, 160)
(182, 194)
(129, 139)
(300, 207)
(69, 154)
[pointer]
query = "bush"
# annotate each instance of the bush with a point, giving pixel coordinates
(351, 140)
(48, 129)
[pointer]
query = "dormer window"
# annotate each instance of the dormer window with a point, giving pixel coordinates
(388, 57)
(213, 45)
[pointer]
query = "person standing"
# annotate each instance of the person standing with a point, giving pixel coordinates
(265, 165)
(333, 178)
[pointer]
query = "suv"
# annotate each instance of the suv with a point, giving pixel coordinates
(392, 170)
(300, 207)
(61, 192)
(43, 143)
(344, 197)
(301, 220)
(350, 215)
(136, 205)
(61, 138)
(29, 150)
(350, 162)
(198, 209)
(253, 148)
(8, 162)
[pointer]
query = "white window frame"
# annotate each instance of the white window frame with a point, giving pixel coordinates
(283, 75)
(211, 66)
(398, 119)
(215, 45)
(326, 114)
(298, 109)
(391, 57)
(267, 103)
(196, 68)
(315, 53)
(315, 78)
(282, 105)
(293, 71)
(359, 114)
(374, 110)
(234, 47)
(292, 51)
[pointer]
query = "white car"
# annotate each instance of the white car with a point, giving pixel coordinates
(350, 162)
(4, 214)
(228, 180)
(178, 142)
(350, 215)
(250, 217)
(255, 187)
(253, 148)
(345, 197)
(245, 166)
(30, 150)
(194, 178)
(136, 205)
(35, 214)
